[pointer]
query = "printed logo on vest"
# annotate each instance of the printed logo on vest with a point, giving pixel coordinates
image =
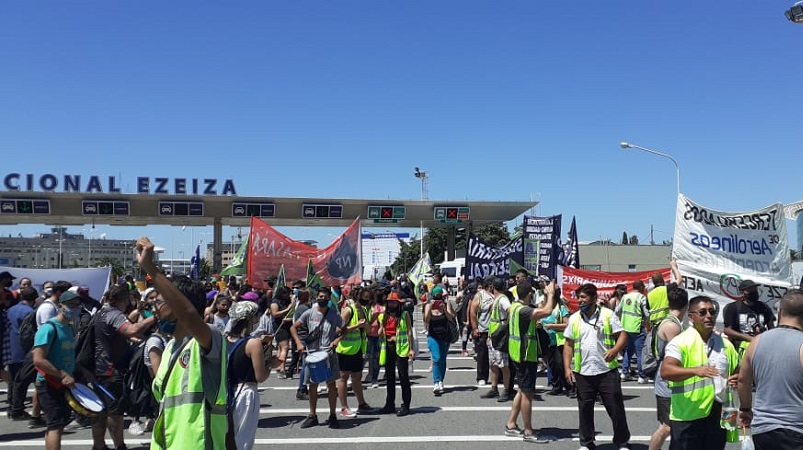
(184, 359)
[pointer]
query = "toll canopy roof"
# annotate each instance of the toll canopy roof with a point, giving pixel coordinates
(145, 209)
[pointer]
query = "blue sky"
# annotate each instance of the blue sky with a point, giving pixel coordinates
(495, 100)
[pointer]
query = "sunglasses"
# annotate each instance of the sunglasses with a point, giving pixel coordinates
(703, 312)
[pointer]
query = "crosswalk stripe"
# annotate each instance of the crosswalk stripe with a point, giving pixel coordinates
(305, 411)
(336, 441)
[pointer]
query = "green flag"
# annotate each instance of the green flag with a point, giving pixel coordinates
(238, 264)
(514, 266)
(416, 275)
(281, 279)
(314, 281)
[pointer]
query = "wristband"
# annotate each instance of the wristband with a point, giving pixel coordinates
(745, 409)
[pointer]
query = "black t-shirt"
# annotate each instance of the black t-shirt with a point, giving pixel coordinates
(277, 321)
(747, 319)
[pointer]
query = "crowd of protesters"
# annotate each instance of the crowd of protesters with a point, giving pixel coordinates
(230, 336)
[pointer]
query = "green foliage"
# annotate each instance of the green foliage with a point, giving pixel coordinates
(117, 267)
(435, 240)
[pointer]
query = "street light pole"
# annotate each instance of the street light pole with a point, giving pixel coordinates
(626, 145)
(424, 197)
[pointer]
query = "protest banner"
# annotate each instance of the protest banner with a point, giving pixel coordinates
(483, 259)
(569, 279)
(716, 250)
(541, 244)
(339, 263)
(97, 279)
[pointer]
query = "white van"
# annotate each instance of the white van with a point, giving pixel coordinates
(452, 270)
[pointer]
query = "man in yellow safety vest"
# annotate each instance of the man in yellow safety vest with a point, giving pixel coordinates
(699, 365)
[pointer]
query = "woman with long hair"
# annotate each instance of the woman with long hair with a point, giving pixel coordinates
(437, 314)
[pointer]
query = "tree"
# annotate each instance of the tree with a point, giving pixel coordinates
(435, 240)
(117, 267)
(204, 269)
(634, 240)
(624, 238)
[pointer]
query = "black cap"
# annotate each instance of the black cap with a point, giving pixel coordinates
(746, 284)
(7, 275)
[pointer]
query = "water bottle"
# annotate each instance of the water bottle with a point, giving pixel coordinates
(747, 440)
(730, 412)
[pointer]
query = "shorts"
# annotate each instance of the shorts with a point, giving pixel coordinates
(282, 334)
(115, 384)
(497, 358)
(350, 363)
(526, 373)
(334, 367)
(663, 404)
(58, 413)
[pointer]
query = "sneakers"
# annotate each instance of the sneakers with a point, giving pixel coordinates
(388, 409)
(37, 422)
(310, 421)
(403, 411)
(625, 377)
(374, 385)
(464, 353)
(583, 448)
(438, 389)
(513, 432)
(347, 413)
(302, 395)
(21, 416)
(136, 428)
(534, 438)
(642, 380)
(555, 391)
(493, 393)
(333, 422)
(505, 397)
(481, 383)
(365, 408)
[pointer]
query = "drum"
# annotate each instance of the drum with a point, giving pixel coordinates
(84, 400)
(318, 366)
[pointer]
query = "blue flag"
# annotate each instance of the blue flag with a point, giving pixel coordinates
(571, 250)
(195, 264)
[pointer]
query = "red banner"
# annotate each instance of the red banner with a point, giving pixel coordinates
(338, 264)
(570, 279)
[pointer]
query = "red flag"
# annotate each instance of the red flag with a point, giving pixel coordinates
(339, 263)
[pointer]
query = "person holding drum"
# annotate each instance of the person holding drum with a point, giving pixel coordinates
(54, 359)
(322, 325)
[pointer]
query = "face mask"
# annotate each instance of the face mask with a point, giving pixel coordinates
(323, 303)
(586, 307)
(147, 313)
(752, 296)
(49, 292)
(295, 291)
(72, 313)
(167, 326)
(404, 285)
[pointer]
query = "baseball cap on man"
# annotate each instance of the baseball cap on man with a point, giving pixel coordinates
(7, 275)
(68, 296)
(746, 284)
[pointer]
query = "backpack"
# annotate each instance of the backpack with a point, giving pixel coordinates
(138, 380)
(649, 361)
(85, 346)
(231, 394)
(28, 330)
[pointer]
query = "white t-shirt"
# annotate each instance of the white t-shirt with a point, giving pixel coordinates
(46, 312)
(592, 343)
(716, 357)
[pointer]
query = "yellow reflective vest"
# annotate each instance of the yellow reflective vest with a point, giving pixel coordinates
(659, 304)
(605, 316)
(632, 318)
(402, 340)
(521, 348)
(186, 419)
(352, 342)
(693, 397)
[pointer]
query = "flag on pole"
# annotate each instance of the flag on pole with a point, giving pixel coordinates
(281, 279)
(239, 263)
(571, 250)
(416, 275)
(314, 281)
(195, 264)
